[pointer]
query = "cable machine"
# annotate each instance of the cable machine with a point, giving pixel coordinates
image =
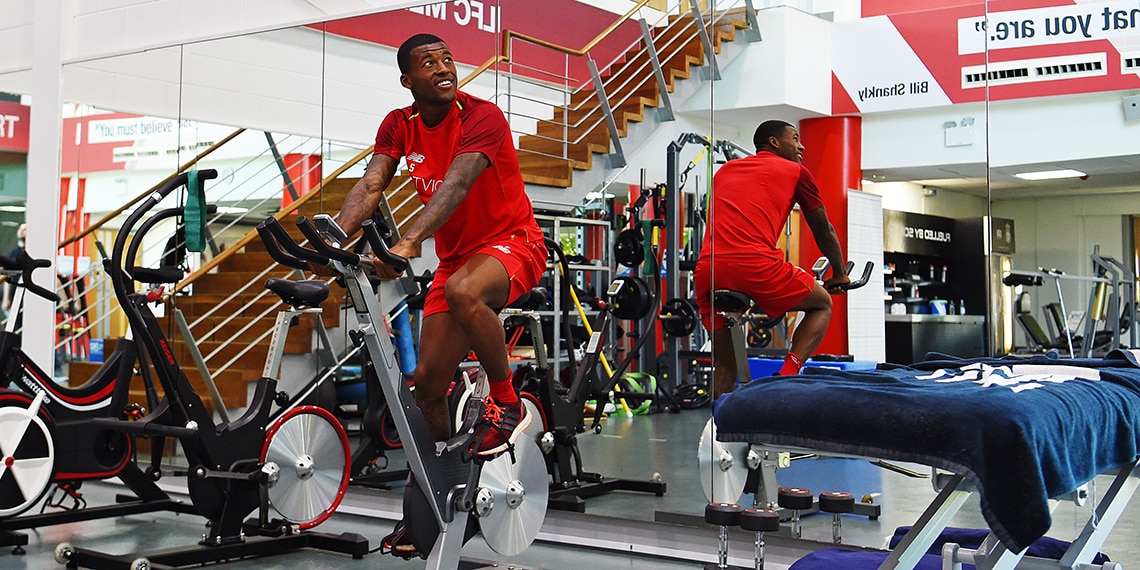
(670, 361)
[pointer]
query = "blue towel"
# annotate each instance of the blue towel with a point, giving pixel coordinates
(1022, 430)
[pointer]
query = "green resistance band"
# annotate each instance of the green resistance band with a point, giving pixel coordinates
(650, 262)
(194, 214)
(639, 382)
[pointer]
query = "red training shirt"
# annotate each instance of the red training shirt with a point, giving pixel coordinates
(752, 198)
(496, 206)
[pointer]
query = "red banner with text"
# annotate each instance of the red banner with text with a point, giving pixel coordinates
(913, 54)
(14, 119)
(470, 28)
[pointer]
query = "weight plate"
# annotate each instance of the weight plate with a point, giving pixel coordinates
(628, 248)
(679, 317)
(632, 299)
(27, 456)
(723, 466)
(519, 490)
(310, 449)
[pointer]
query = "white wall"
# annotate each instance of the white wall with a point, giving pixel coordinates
(784, 68)
(866, 328)
(296, 80)
(1060, 232)
(113, 27)
(914, 198)
(917, 138)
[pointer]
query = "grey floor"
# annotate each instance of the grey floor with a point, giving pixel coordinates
(618, 530)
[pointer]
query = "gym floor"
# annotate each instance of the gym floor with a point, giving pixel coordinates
(618, 530)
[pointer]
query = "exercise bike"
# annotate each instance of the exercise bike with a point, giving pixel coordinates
(296, 465)
(47, 440)
(449, 485)
(561, 407)
(728, 470)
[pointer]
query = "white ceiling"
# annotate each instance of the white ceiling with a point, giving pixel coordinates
(1107, 175)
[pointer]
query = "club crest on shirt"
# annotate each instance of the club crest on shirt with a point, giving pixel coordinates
(414, 159)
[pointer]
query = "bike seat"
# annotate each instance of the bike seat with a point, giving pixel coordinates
(731, 301)
(531, 300)
(164, 274)
(308, 293)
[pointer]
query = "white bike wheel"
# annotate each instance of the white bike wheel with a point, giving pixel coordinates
(310, 449)
(27, 457)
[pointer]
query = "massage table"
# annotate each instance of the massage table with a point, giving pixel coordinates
(1020, 432)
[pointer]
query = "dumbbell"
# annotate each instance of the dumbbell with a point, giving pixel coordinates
(795, 500)
(760, 521)
(836, 503)
(723, 515)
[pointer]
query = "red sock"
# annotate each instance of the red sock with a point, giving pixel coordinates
(792, 364)
(503, 392)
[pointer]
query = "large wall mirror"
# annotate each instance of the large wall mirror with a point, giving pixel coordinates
(279, 113)
(954, 142)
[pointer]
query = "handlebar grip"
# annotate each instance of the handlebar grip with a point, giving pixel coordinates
(380, 249)
(275, 250)
(28, 264)
(862, 280)
(318, 242)
(292, 247)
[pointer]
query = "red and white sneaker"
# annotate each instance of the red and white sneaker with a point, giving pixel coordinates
(502, 425)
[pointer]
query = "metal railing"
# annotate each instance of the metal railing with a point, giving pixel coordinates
(582, 108)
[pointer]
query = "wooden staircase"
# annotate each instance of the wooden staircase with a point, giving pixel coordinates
(577, 131)
(249, 317)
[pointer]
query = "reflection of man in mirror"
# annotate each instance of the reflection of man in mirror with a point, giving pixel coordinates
(9, 286)
(461, 157)
(752, 197)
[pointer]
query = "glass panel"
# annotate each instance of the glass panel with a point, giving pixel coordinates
(120, 133)
(1070, 206)
(925, 151)
(14, 133)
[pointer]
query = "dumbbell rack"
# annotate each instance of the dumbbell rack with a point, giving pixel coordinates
(761, 483)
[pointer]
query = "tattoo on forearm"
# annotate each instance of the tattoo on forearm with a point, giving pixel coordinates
(364, 197)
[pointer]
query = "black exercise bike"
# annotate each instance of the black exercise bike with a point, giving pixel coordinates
(48, 441)
(296, 464)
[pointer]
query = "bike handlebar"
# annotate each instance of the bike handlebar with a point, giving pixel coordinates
(862, 280)
(284, 250)
(26, 264)
(379, 248)
(318, 242)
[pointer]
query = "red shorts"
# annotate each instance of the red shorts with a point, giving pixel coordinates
(525, 262)
(774, 285)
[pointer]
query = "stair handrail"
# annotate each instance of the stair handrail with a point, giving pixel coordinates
(292, 207)
(680, 22)
(111, 215)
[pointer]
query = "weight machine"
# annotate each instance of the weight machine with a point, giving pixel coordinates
(670, 360)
